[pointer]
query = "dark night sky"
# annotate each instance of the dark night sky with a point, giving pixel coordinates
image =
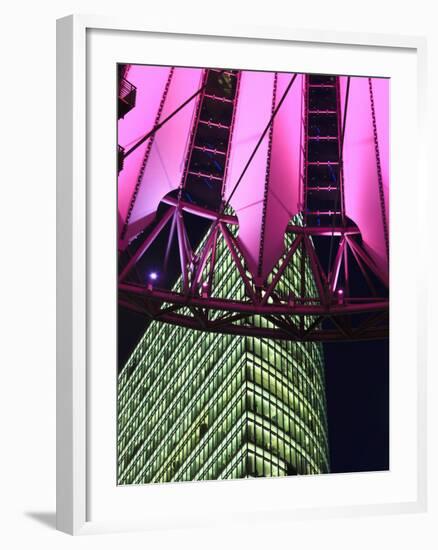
(357, 389)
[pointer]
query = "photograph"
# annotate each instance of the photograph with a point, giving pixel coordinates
(253, 257)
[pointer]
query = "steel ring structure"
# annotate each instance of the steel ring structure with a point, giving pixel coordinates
(255, 203)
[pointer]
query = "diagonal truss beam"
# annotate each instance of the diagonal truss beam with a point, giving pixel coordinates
(368, 261)
(146, 244)
(231, 244)
(183, 253)
(297, 241)
(318, 274)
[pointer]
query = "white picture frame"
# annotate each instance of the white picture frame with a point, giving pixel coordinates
(76, 211)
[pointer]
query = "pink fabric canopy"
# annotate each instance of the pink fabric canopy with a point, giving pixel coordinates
(270, 193)
(367, 190)
(268, 196)
(150, 83)
(155, 168)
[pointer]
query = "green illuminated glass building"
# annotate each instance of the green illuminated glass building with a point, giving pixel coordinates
(200, 406)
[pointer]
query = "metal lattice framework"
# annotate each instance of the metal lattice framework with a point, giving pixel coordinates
(347, 298)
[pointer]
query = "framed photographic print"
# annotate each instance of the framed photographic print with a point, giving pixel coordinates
(233, 283)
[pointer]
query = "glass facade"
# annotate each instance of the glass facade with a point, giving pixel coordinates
(199, 406)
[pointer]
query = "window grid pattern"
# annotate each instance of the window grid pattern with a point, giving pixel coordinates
(202, 406)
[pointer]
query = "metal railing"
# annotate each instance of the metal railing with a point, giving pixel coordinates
(120, 157)
(127, 96)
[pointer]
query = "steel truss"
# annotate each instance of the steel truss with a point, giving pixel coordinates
(331, 312)
(325, 316)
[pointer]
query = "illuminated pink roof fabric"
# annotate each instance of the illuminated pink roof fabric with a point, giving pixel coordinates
(253, 111)
(363, 200)
(150, 83)
(164, 164)
(381, 91)
(268, 195)
(283, 199)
